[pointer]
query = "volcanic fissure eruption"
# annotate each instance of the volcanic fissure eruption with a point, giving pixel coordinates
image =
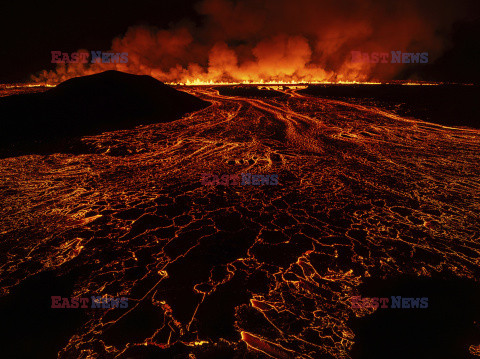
(119, 184)
(261, 41)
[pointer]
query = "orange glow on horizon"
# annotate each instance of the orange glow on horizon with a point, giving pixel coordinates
(200, 82)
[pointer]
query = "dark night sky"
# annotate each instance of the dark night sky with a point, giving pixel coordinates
(30, 30)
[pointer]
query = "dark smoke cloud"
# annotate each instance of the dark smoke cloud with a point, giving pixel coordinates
(282, 40)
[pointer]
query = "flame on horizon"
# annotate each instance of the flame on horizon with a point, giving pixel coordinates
(278, 41)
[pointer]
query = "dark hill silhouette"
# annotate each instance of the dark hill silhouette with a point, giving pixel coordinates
(89, 105)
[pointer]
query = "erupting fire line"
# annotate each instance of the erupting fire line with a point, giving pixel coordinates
(198, 82)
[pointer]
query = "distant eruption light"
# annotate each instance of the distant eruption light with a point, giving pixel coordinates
(279, 42)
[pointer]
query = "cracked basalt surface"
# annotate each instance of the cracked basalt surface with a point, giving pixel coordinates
(233, 271)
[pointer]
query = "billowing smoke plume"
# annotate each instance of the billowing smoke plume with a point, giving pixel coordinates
(280, 40)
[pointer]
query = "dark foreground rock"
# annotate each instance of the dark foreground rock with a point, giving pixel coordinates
(444, 328)
(88, 105)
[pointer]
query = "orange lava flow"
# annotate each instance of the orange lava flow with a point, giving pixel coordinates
(363, 192)
(266, 347)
